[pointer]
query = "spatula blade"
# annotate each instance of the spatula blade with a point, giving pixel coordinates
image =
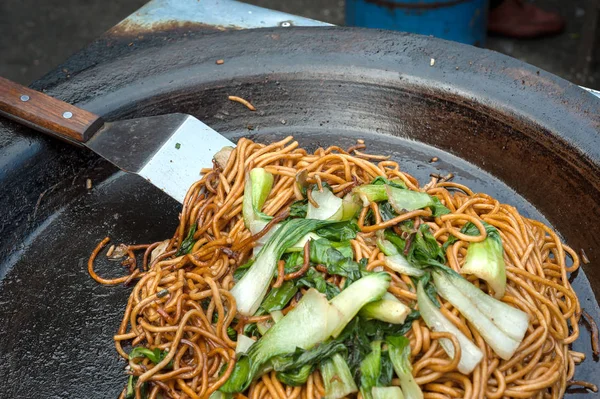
(167, 150)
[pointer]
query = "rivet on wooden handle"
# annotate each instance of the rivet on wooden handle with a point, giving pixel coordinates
(46, 114)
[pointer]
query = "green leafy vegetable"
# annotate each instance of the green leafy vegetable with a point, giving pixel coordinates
(376, 191)
(499, 324)
(256, 190)
(396, 240)
(380, 180)
(388, 309)
(358, 335)
(300, 357)
(371, 193)
(251, 289)
(264, 326)
(220, 395)
(278, 298)
(309, 324)
(436, 321)
(387, 393)
(323, 252)
(351, 204)
(485, 259)
(427, 282)
(408, 200)
(387, 369)
(320, 247)
(298, 209)
(295, 377)
(314, 279)
(240, 376)
(299, 246)
(399, 352)
(303, 327)
(337, 377)
(425, 250)
(154, 355)
(130, 390)
(370, 370)
(188, 242)
(231, 333)
(400, 264)
(367, 289)
(329, 206)
(386, 246)
(243, 344)
(340, 232)
(386, 211)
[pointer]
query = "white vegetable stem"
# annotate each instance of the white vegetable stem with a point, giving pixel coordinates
(243, 343)
(337, 378)
(388, 309)
(256, 190)
(330, 206)
(348, 302)
(500, 325)
(303, 327)
(436, 321)
(485, 260)
(387, 393)
(315, 319)
(398, 263)
(250, 291)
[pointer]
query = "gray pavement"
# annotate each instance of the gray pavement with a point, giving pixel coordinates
(37, 35)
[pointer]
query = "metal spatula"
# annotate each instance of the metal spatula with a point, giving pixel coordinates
(167, 150)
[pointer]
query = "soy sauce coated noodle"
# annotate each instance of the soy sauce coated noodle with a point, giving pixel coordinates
(182, 304)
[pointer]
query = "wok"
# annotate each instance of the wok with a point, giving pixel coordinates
(501, 126)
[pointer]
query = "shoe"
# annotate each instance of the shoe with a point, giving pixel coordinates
(520, 20)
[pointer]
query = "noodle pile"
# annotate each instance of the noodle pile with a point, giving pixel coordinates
(182, 304)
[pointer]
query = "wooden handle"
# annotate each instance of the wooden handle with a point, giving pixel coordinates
(46, 114)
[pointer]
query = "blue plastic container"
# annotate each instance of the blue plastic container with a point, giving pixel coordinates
(462, 21)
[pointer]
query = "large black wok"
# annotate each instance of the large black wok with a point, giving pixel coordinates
(501, 126)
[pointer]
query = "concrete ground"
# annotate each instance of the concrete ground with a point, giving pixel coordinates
(35, 35)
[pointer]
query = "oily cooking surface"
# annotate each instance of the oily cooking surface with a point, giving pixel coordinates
(58, 323)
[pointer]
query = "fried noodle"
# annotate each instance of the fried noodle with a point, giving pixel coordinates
(182, 304)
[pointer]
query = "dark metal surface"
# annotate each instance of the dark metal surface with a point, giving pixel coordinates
(501, 126)
(131, 143)
(168, 150)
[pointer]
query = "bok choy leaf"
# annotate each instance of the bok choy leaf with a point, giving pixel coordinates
(337, 378)
(387, 393)
(330, 206)
(388, 309)
(295, 377)
(348, 303)
(188, 242)
(485, 259)
(408, 200)
(256, 190)
(370, 370)
(399, 350)
(243, 344)
(251, 289)
(499, 324)
(470, 354)
(309, 324)
(154, 355)
(350, 206)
